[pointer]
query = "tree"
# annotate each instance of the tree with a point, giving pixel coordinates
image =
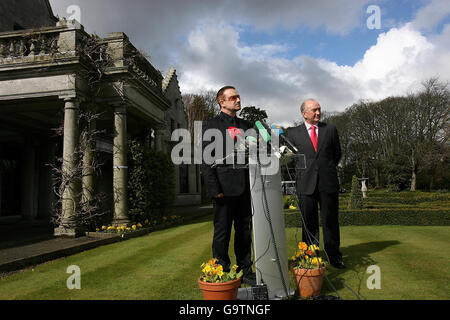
(199, 107)
(432, 109)
(253, 114)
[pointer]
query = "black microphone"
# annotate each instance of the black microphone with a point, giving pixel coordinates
(280, 133)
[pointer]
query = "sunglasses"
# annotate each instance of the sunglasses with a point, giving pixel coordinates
(234, 98)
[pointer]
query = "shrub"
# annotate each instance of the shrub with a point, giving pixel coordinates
(383, 217)
(151, 182)
(288, 201)
(387, 208)
(356, 200)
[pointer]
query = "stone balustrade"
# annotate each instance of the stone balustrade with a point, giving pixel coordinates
(19, 47)
(68, 39)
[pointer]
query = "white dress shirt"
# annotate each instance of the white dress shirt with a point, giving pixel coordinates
(308, 127)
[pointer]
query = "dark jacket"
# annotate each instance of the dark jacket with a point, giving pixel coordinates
(320, 165)
(223, 179)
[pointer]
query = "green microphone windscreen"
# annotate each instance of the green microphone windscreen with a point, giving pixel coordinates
(262, 131)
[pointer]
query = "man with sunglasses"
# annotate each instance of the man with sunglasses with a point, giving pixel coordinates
(230, 189)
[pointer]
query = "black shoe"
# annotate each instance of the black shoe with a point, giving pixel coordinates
(338, 264)
(249, 278)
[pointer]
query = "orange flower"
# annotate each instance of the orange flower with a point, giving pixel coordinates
(302, 246)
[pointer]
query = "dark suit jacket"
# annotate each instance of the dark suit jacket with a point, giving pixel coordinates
(223, 179)
(320, 165)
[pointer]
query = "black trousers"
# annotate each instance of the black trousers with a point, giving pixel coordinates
(329, 214)
(229, 210)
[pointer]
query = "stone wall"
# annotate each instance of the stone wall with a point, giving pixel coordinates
(25, 14)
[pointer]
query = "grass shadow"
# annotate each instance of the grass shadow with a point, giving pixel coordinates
(357, 258)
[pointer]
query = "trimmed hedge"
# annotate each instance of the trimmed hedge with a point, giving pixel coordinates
(387, 217)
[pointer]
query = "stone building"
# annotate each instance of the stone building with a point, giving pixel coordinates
(50, 71)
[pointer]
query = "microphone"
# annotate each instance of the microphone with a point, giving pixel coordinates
(264, 131)
(278, 130)
(234, 132)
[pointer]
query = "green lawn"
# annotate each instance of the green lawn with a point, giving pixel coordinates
(413, 260)
(414, 264)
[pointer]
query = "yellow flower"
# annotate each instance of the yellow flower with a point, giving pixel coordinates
(133, 227)
(146, 221)
(235, 267)
(103, 227)
(97, 229)
(139, 225)
(302, 246)
(292, 207)
(220, 273)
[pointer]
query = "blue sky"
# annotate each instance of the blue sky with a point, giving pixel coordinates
(278, 53)
(345, 49)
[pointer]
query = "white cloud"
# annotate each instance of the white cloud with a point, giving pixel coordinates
(201, 39)
(157, 26)
(430, 15)
(397, 64)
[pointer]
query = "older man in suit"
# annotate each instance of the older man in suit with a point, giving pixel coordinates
(318, 184)
(230, 188)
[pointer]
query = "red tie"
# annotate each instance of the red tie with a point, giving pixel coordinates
(314, 137)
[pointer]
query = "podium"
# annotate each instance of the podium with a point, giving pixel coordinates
(269, 234)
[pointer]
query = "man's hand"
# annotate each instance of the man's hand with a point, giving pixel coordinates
(219, 195)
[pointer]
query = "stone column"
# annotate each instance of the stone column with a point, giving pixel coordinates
(88, 181)
(120, 166)
(159, 139)
(70, 202)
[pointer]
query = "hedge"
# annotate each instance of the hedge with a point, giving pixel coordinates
(387, 217)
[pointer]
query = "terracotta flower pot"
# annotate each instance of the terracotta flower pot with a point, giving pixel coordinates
(220, 291)
(309, 281)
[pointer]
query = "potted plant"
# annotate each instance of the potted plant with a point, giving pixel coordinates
(308, 269)
(217, 284)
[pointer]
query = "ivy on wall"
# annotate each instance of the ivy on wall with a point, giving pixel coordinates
(151, 182)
